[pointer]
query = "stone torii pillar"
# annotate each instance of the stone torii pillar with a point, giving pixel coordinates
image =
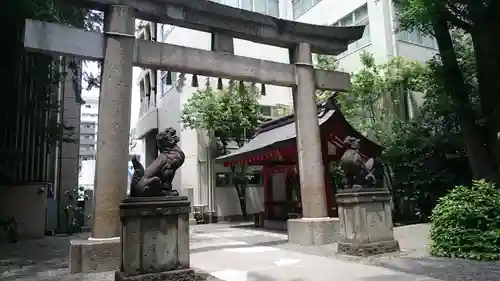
(114, 121)
(315, 227)
(100, 252)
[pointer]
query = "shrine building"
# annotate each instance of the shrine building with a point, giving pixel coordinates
(273, 149)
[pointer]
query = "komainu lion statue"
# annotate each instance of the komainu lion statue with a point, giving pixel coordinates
(358, 173)
(156, 179)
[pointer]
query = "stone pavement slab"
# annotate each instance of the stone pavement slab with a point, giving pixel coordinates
(252, 260)
(262, 263)
(412, 263)
(239, 253)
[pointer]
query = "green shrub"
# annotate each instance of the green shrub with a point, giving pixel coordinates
(466, 223)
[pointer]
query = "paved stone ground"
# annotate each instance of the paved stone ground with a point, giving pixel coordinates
(241, 253)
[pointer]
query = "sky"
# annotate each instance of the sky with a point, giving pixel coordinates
(91, 67)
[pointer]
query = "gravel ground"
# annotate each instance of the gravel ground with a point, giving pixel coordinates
(47, 259)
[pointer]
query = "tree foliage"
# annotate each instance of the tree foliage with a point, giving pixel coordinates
(478, 21)
(427, 158)
(380, 93)
(424, 155)
(230, 115)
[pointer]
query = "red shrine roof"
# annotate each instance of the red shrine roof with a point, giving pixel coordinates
(277, 137)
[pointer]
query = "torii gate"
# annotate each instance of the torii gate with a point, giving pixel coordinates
(118, 48)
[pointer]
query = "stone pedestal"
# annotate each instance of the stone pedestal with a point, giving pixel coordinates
(94, 255)
(155, 239)
(313, 231)
(365, 222)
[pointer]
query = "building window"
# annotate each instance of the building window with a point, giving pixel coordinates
(147, 84)
(90, 157)
(87, 147)
(417, 37)
(166, 85)
(222, 179)
(88, 125)
(89, 115)
(270, 112)
(247, 5)
(267, 7)
(165, 31)
(302, 6)
(357, 18)
(136, 155)
(225, 179)
(414, 36)
(265, 110)
(147, 31)
(142, 89)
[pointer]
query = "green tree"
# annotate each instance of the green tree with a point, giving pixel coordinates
(480, 20)
(424, 156)
(231, 115)
(427, 158)
(380, 93)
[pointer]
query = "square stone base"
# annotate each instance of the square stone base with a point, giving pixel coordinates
(187, 274)
(368, 249)
(313, 231)
(192, 221)
(97, 255)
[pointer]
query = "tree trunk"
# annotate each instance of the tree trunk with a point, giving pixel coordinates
(488, 69)
(241, 190)
(243, 202)
(480, 161)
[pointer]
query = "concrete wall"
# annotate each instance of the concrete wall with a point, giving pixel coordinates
(415, 52)
(27, 204)
(227, 203)
(327, 12)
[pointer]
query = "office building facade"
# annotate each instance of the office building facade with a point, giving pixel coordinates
(88, 128)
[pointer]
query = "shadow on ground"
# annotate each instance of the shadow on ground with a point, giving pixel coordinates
(47, 259)
(413, 259)
(40, 259)
(251, 226)
(441, 269)
(214, 248)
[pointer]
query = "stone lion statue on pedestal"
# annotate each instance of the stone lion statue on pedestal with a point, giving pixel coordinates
(357, 172)
(156, 179)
